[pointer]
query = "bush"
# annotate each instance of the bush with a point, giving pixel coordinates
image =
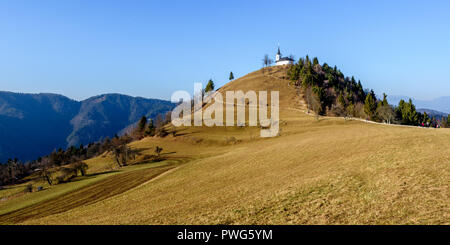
(158, 150)
(80, 166)
(68, 174)
(338, 111)
(359, 111)
(231, 140)
(29, 188)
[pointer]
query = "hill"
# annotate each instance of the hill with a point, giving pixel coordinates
(329, 170)
(33, 125)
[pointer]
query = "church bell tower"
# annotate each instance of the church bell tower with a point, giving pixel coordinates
(278, 56)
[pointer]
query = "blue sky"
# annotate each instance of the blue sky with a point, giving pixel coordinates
(150, 49)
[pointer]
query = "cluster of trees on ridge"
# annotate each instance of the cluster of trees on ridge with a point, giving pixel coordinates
(328, 92)
(61, 166)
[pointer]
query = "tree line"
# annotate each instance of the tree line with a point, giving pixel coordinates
(328, 92)
(63, 165)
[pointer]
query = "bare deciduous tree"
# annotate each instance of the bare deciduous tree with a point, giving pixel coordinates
(266, 61)
(312, 101)
(46, 174)
(386, 113)
(123, 154)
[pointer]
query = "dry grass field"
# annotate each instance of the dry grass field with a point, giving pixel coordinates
(326, 171)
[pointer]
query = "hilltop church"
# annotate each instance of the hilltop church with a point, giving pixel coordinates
(280, 60)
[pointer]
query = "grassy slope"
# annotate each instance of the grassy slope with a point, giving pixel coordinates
(329, 171)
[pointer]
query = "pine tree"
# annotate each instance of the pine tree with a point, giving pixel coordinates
(315, 61)
(350, 109)
(341, 99)
(142, 123)
(384, 102)
(231, 76)
(209, 86)
(307, 61)
(150, 129)
(406, 111)
(370, 106)
(412, 115)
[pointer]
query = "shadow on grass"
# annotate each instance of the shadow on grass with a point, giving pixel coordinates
(168, 153)
(150, 161)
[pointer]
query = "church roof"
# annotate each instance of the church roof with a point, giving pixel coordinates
(285, 58)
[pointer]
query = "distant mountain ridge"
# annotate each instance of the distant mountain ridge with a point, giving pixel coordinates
(433, 113)
(32, 125)
(441, 104)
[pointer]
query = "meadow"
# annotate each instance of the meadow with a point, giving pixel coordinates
(317, 171)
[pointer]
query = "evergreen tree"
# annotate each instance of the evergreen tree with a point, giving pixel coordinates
(209, 86)
(360, 90)
(231, 76)
(321, 95)
(370, 106)
(150, 129)
(301, 62)
(406, 112)
(294, 72)
(142, 123)
(350, 109)
(384, 102)
(341, 99)
(307, 75)
(350, 96)
(315, 61)
(307, 61)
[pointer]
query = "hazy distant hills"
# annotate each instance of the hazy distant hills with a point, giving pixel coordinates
(441, 104)
(32, 125)
(433, 113)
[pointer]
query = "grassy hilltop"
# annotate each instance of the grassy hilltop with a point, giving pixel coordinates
(326, 171)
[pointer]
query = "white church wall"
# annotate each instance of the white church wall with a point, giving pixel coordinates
(284, 62)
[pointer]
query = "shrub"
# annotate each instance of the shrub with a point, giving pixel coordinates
(29, 188)
(158, 150)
